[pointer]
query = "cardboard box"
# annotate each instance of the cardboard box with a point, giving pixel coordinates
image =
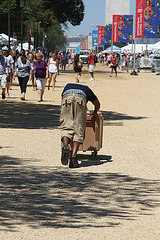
(93, 133)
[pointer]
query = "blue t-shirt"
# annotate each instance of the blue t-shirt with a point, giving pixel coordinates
(71, 88)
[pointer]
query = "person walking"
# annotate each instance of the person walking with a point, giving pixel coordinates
(24, 69)
(3, 75)
(53, 69)
(33, 61)
(77, 67)
(113, 64)
(58, 57)
(73, 119)
(91, 65)
(41, 75)
(64, 61)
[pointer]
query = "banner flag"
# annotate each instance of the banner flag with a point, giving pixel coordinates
(147, 19)
(115, 28)
(122, 28)
(100, 29)
(104, 35)
(94, 38)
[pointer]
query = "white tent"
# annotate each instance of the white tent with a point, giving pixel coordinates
(4, 39)
(25, 46)
(156, 46)
(139, 48)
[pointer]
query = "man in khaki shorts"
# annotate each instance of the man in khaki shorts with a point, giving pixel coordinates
(73, 119)
(3, 66)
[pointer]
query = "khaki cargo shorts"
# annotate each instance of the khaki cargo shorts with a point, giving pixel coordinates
(73, 117)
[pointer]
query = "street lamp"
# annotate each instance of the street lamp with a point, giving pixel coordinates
(21, 6)
(9, 23)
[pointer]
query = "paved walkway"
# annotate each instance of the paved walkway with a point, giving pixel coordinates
(114, 197)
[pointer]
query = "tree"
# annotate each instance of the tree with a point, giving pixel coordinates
(47, 14)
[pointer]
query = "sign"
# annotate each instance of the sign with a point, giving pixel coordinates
(147, 19)
(122, 28)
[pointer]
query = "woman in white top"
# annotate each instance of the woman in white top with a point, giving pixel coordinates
(53, 69)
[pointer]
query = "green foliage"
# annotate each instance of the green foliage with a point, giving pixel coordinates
(47, 14)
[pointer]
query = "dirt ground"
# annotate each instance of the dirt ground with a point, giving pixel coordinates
(113, 197)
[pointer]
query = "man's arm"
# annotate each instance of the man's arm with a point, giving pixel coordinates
(96, 104)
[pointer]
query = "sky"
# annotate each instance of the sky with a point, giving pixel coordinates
(94, 15)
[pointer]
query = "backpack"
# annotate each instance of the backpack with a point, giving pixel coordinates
(79, 64)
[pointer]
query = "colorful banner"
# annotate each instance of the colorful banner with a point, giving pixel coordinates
(122, 28)
(104, 35)
(89, 42)
(147, 19)
(94, 38)
(100, 29)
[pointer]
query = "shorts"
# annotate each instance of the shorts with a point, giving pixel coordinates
(114, 68)
(3, 81)
(51, 73)
(73, 117)
(91, 68)
(41, 82)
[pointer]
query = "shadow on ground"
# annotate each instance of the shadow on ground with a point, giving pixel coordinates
(45, 116)
(61, 197)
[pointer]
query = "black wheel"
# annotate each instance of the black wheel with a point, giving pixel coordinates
(94, 154)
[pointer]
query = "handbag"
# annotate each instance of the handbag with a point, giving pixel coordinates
(79, 64)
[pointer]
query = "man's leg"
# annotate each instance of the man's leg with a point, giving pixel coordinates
(3, 85)
(65, 150)
(111, 71)
(75, 149)
(116, 70)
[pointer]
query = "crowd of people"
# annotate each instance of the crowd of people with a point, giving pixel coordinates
(38, 67)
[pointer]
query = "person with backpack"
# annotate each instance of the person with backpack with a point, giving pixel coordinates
(77, 67)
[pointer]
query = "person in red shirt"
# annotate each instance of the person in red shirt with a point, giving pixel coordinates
(113, 64)
(91, 65)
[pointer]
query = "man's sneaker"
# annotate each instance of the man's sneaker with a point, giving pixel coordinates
(65, 154)
(7, 95)
(3, 96)
(73, 162)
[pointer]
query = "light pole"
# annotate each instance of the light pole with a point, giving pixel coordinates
(21, 6)
(9, 23)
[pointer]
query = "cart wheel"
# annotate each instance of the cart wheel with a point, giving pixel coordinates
(94, 154)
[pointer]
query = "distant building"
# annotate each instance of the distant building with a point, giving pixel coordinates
(116, 7)
(73, 41)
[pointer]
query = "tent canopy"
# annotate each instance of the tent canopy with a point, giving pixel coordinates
(115, 49)
(4, 39)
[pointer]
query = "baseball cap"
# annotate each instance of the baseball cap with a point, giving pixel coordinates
(1, 52)
(5, 48)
